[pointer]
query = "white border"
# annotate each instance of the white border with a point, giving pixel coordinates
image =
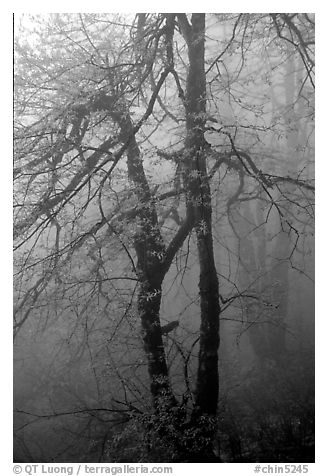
(321, 222)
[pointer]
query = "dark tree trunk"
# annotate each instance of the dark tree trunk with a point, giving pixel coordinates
(207, 387)
(200, 207)
(150, 250)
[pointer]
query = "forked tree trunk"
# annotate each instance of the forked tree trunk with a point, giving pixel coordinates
(193, 439)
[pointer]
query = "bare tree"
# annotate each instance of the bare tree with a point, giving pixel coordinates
(121, 146)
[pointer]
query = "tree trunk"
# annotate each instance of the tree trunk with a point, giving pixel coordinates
(251, 275)
(193, 440)
(200, 207)
(150, 250)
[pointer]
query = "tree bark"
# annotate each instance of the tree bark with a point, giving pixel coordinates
(150, 250)
(200, 208)
(207, 386)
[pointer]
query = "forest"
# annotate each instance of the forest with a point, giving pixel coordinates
(164, 237)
